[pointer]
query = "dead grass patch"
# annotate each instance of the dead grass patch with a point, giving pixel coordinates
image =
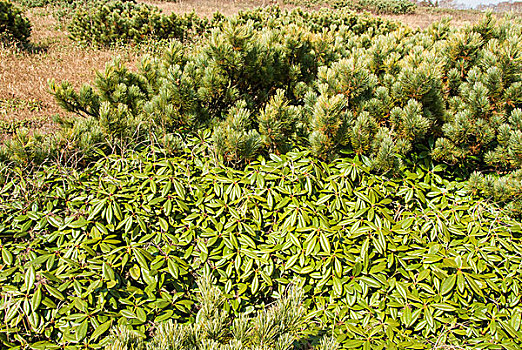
(209, 7)
(24, 74)
(424, 16)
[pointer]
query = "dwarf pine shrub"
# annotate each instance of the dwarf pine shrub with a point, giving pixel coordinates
(14, 27)
(280, 326)
(107, 22)
(397, 7)
(379, 94)
(269, 80)
(42, 3)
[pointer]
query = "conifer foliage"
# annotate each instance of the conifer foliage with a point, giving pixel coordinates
(277, 327)
(107, 22)
(268, 80)
(14, 27)
(267, 89)
(377, 6)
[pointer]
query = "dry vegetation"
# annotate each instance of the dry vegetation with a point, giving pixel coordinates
(424, 16)
(208, 7)
(24, 74)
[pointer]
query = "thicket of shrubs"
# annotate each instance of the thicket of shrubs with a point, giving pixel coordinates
(41, 3)
(384, 93)
(327, 150)
(397, 7)
(109, 22)
(384, 262)
(375, 6)
(269, 80)
(14, 26)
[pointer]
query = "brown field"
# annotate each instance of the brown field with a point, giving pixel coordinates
(423, 17)
(24, 74)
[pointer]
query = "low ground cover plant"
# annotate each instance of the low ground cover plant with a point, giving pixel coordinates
(383, 261)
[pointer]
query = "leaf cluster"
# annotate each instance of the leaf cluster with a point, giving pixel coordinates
(382, 261)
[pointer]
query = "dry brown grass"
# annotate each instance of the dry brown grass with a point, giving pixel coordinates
(24, 75)
(209, 7)
(423, 17)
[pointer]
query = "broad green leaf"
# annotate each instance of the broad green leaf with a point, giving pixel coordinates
(447, 285)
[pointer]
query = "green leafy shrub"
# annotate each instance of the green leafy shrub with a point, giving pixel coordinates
(382, 261)
(14, 27)
(277, 327)
(269, 80)
(388, 256)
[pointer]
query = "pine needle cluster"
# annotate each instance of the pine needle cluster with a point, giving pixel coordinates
(279, 327)
(106, 22)
(268, 80)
